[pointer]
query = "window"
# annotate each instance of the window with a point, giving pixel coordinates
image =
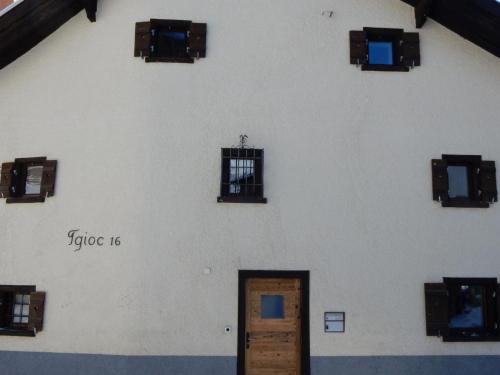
(241, 176)
(464, 181)
(28, 180)
(170, 40)
(21, 310)
(463, 309)
(272, 306)
(385, 49)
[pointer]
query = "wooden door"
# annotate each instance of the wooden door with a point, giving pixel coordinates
(273, 326)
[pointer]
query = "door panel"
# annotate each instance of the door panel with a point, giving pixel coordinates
(273, 341)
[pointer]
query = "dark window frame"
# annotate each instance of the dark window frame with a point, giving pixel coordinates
(405, 48)
(489, 332)
(440, 299)
(242, 153)
(14, 178)
(479, 172)
(8, 327)
(149, 46)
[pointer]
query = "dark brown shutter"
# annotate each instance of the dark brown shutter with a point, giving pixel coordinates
(48, 178)
(488, 181)
(359, 47)
(411, 49)
(422, 9)
(497, 296)
(439, 179)
(436, 309)
(142, 39)
(197, 41)
(37, 306)
(6, 179)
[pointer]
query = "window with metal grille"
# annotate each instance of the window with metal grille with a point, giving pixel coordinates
(21, 310)
(241, 177)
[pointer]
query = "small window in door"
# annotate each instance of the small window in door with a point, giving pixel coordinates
(272, 307)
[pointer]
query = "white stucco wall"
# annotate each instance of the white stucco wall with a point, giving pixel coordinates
(347, 175)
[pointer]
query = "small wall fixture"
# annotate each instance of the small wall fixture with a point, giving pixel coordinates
(335, 322)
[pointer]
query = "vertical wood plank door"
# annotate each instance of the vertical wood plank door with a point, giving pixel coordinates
(273, 326)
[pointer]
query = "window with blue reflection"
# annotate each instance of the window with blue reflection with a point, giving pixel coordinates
(380, 53)
(272, 307)
(467, 310)
(458, 181)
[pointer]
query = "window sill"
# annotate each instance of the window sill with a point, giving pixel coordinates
(237, 199)
(17, 332)
(186, 60)
(385, 68)
(471, 339)
(27, 199)
(465, 204)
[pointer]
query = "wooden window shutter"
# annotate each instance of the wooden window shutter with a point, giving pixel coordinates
(411, 49)
(48, 178)
(142, 39)
(436, 309)
(197, 41)
(497, 296)
(440, 179)
(37, 306)
(359, 47)
(422, 9)
(6, 179)
(488, 181)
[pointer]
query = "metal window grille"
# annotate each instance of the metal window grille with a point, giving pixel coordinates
(21, 309)
(241, 177)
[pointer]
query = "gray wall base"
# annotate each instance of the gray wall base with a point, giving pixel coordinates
(29, 363)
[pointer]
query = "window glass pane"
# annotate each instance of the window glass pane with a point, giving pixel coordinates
(26, 310)
(467, 309)
(458, 181)
(334, 326)
(17, 309)
(34, 179)
(19, 298)
(241, 173)
(171, 43)
(16, 319)
(26, 299)
(380, 53)
(272, 307)
(24, 319)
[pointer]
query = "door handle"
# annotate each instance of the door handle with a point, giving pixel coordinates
(248, 340)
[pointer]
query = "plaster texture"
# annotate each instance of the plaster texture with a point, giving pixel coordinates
(347, 177)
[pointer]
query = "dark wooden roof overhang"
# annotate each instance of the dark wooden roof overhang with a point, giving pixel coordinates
(28, 23)
(475, 20)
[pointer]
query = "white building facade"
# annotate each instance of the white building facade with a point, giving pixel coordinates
(347, 176)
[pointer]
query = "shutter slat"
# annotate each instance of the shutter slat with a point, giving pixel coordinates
(197, 40)
(488, 181)
(47, 187)
(37, 306)
(411, 49)
(142, 39)
(436, 309)
(440, 179)
(6, 179)
(359, 47)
